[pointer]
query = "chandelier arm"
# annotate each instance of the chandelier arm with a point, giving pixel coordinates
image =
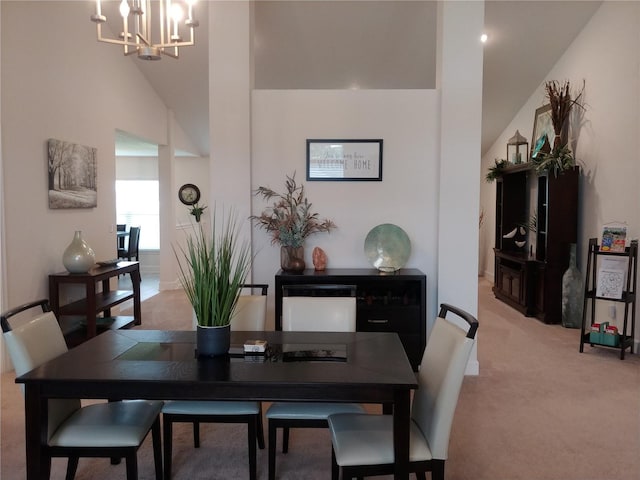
(141, 31)
(144, 40)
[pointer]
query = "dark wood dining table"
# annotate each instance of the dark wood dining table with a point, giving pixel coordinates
(363, 367)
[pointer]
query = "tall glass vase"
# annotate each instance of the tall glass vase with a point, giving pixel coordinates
(572, 293)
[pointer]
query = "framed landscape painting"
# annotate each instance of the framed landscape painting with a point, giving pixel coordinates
(72, 175)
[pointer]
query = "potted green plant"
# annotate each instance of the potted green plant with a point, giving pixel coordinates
(212, 269)
(290, 221)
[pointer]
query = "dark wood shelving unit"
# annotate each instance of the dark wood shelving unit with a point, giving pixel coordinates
(87, 317)
(529, 278)
(628, 298)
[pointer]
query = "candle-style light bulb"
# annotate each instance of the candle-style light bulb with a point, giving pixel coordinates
(190, 4)
(124, 8)
(176, 16)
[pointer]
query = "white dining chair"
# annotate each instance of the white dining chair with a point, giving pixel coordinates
(109, 429)
(320, 314)
(362, 444)
(249, 315)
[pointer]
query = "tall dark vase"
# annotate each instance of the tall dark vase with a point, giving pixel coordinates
(213, 341)
(572, 293)
(292, 259)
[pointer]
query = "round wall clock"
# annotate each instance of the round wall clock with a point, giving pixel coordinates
(189, 194)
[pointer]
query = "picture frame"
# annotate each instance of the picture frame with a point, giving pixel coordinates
(72, 177)
(344, 160)
(542, 125)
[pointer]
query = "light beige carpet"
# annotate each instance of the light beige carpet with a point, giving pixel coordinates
(539, 410)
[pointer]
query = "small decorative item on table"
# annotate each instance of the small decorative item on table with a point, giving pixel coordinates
(255, 346)
(319, 258)
(387, 247)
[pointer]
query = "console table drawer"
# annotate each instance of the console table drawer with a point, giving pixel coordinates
(401, 319)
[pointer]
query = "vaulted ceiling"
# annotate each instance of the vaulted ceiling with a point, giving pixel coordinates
(378, 44)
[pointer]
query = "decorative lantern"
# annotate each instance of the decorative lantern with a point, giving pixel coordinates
(517, 149)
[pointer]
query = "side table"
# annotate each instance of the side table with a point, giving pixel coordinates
(80, 320)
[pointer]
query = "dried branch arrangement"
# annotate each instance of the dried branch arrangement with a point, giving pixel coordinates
(290, 220)
(559, 96)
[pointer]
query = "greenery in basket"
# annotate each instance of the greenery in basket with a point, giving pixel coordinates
(556, 161)
(212, 269)
(496, 170)
(289, 220)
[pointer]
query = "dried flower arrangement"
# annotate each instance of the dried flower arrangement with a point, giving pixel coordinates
(290, 220)
(560, 158)
(559, 96)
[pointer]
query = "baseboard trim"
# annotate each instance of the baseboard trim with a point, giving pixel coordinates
(172, 285)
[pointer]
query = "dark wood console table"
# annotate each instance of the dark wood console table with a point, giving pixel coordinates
(385, 302)
(81, 320)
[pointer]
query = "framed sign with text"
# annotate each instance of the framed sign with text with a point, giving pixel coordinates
(353, 160)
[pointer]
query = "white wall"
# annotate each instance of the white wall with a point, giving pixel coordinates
(606, 54)
(79, 91)
(406, 120)
(82, 91)
(409, 121)
(187, 170)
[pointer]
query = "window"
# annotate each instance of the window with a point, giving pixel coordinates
(137, 205)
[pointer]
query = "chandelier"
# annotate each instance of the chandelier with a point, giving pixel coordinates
(139, 32)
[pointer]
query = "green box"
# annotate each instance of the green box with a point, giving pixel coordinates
(596, 337)
(602, 338)
(610, 339)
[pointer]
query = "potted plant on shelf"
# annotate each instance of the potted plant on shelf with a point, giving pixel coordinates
(212, 269)
(496, 170)
(290, 221)
(556, 161)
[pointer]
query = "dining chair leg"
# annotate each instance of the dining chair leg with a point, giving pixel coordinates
(72, 467)
(196, 434)
(157, 448)
(437, 469)
(168, 441)
(421, 476)
(260, 429)
(132, 465)
(272, 450)
(46, 467)
(335, 469)
(252, 428)
(285, 440)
